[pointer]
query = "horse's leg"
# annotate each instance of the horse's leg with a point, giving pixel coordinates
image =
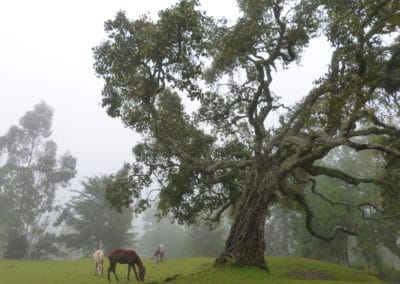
(108, 273)
(116, 277)
(134, 270)
(102, 268)
(129, 271)
(112, 268)
(95, 268)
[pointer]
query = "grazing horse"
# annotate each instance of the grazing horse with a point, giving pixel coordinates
(98, 258)
(129, 257)
(159, 254)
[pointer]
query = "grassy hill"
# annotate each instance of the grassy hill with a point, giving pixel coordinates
(183, 270)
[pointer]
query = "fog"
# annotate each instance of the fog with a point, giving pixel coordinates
(45, 54)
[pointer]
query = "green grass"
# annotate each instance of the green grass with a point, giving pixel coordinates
(185, 270)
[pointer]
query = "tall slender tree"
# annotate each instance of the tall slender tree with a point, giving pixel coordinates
(30, 175)
(228, 153)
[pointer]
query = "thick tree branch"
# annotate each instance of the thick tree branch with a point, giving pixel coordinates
(318, 170)
(370, 131)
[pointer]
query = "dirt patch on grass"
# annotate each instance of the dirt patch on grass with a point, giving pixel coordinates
(171, 278)
(311, 275)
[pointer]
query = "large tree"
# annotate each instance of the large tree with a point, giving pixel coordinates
(229, 153)
(31, 172)
(92, 222)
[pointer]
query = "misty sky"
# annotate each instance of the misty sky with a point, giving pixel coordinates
(45, 54)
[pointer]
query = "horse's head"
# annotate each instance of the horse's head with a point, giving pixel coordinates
(142, 272)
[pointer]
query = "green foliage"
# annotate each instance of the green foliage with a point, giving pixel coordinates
(93, 222)
(158, 53)
(30, 174)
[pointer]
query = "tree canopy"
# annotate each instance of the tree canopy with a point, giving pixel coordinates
(228, 153)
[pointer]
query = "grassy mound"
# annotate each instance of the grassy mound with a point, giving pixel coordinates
(183, 270)
(283, 270)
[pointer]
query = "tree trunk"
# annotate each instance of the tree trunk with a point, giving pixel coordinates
(246, 241)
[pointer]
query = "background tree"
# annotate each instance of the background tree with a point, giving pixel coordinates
(205, 241)
(280, 231)
(328, 217)
(179, 240)
(389, 230)
(30, 174)
(372, 225)
(161, 232)
(228, 153)
(93, 222)
(368, 249)
(3, 225)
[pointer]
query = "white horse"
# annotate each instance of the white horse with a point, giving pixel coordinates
(159, 254)
(98, 258)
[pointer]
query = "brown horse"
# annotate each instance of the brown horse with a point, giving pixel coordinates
(129, 257)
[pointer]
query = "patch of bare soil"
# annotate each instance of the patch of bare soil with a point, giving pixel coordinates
(171, 278)
(311, 275)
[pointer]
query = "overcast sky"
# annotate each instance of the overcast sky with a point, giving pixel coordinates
(45, 54)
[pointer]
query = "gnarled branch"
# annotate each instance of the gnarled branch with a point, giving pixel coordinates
(301, 199)
(335, 173)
